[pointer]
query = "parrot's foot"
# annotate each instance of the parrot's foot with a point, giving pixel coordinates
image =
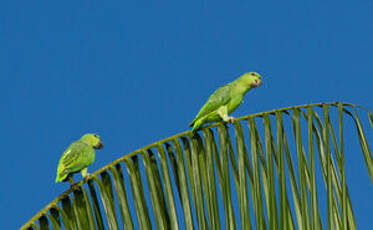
(231, 120)
(70, 179)
(88, 177)
(75, 186)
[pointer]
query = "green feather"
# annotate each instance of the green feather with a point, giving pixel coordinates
(79, 155)
(225, 100)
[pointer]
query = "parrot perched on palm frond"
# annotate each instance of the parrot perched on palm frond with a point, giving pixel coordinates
(225, 100)
(77, 157)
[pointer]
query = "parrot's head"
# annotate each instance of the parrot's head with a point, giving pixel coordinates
(253, 79)
(93, 140)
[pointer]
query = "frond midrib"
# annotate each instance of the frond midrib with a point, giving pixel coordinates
(185, 133)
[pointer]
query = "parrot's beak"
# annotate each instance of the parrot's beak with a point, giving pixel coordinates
(100, 145)
(257, 83)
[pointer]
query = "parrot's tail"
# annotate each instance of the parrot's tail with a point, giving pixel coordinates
(62, 176)
(196, 125)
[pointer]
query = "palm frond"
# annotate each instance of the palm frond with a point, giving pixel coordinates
(263, 173)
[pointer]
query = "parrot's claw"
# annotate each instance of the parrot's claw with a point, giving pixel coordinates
(231, 120)
(75, 186)
(88, 177)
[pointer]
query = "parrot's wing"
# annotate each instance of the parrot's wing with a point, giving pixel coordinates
(219, 98)
(72, 158)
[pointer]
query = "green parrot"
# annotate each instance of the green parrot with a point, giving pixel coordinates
(225, 100)
(77, 157)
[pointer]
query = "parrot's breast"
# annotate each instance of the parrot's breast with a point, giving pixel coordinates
(234, 103)
(91, 157)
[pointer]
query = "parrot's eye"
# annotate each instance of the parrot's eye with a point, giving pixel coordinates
(95, 135)
(253, 74)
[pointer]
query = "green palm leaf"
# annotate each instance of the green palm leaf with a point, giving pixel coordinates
(259, 174)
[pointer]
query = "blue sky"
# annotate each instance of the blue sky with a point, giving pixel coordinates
(138, 72)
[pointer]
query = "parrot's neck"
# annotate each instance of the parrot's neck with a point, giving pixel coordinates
(241, 86)
(86, 142)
